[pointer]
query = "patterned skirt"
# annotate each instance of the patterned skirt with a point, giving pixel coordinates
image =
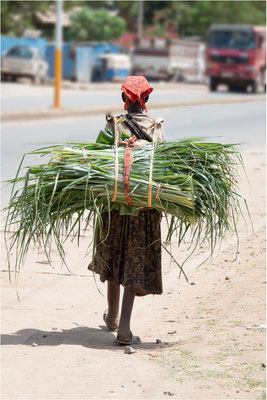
(130, 254)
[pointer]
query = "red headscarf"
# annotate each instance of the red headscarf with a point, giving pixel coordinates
(136, 88)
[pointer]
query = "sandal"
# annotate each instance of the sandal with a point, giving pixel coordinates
(133, 340)
(113, 326)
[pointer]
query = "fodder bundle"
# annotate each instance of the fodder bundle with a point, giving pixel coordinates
(192, 181)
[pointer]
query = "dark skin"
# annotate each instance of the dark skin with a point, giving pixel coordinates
(124, 330)
(113, 291)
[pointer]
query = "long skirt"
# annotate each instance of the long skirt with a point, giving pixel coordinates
(128, 251)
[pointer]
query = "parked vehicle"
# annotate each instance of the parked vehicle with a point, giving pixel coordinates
(236, 56)
(175, 60)
(23, 61)
(112, 67)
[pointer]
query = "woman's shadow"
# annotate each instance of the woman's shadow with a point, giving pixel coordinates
(80, 336)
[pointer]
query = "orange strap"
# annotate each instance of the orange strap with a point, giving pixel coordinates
(128, 162)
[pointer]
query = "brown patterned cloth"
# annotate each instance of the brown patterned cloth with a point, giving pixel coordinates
(131, 254)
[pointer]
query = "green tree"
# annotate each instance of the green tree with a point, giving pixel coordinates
(192, 18)
(16, 16)
(202, 14)
(88, 24)
(174, 16)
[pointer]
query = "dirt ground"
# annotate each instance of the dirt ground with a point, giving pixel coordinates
(212, 329)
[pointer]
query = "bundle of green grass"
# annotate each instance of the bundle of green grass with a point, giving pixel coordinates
(193, 182)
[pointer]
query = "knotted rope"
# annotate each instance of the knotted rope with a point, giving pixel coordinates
(128, 162)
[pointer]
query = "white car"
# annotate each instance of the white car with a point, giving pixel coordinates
(23, 61)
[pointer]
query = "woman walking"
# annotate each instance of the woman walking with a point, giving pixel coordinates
(130, 255)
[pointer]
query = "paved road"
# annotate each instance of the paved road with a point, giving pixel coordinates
(233, 123)
(16, 97)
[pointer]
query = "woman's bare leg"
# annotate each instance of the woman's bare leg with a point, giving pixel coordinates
(113, 297)
(124, 331)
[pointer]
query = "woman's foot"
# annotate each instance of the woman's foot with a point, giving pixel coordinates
(111, 321)
(127, 339)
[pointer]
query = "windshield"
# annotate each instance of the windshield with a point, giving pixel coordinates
(20, 52)
(232, 40)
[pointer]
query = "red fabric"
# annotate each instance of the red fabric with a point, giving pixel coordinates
(136, 88)
(128, 162)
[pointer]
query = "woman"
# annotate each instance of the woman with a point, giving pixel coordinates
(131, 253)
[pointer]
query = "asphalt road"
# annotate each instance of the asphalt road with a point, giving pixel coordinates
(17, 97)
(233, 123)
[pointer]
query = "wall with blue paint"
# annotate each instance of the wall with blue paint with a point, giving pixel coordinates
(80, 65)
(84, 64)
(68, 61)
(7, 42)
(87, 59)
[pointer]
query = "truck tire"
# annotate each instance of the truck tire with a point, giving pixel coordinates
(37, 78)
(232, 88)
(256, 84)
(264, 79)
(213, 84)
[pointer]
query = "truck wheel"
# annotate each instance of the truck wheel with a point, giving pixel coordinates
(264, 79)
(232, 88)
(37, 78)
(213, 84)
(44, 79)
(256, 84)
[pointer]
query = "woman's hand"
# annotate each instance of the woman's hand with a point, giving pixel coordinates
(139, 143)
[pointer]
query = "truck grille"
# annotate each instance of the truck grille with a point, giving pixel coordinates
(229, 59)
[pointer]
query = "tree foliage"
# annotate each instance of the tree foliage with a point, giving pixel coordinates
(205, 13)
(88, 24)
(16, 16)
(189, 18)
(93, 22)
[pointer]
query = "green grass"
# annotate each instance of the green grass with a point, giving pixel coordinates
(183, 365)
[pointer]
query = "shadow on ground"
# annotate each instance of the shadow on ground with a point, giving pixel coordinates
(81, 336)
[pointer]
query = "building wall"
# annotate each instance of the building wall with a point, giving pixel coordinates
(87, 59)
(7, 42)
(79, 60)
(68, 61)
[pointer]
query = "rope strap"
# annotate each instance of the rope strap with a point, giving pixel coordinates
(128, 162)
(84, 155)
(149, 194)
(116, 161)
(116, 121)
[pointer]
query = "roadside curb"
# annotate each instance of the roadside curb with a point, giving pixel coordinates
(12, 116)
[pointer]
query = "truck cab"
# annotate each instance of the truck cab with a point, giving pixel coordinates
(236, 57)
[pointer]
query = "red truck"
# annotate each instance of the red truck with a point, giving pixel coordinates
(236, 56)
